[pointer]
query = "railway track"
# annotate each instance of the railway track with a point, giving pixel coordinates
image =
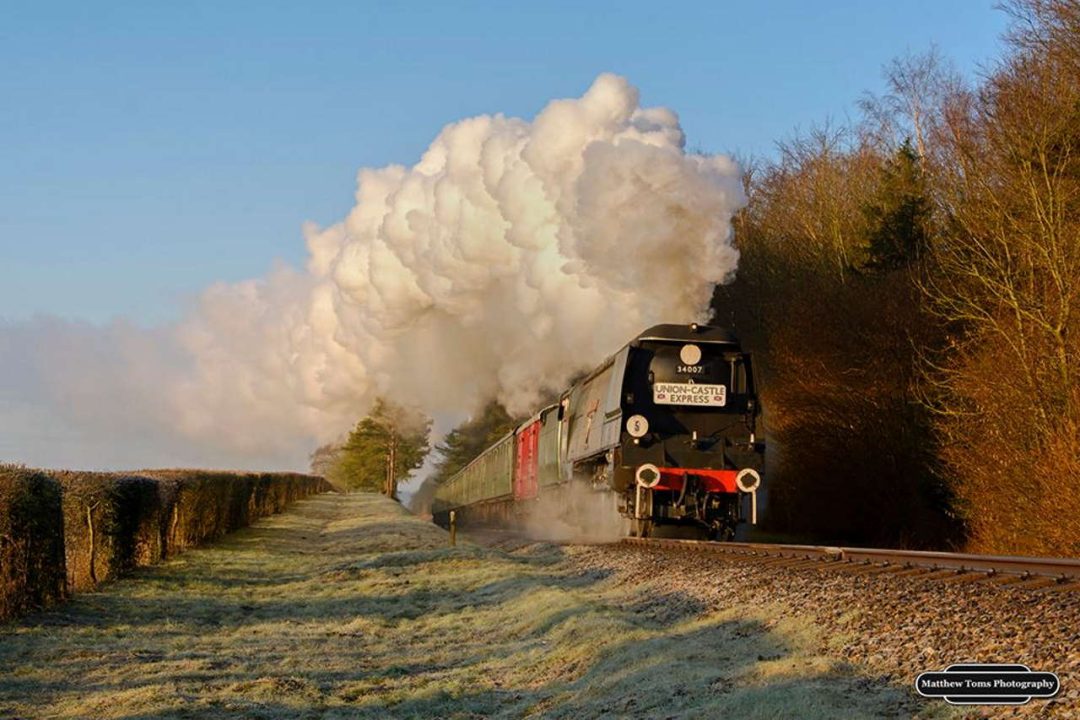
(1044, 571)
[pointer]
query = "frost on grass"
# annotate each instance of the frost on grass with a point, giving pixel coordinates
(349, 607)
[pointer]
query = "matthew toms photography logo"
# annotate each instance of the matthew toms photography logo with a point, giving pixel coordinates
(979, 684)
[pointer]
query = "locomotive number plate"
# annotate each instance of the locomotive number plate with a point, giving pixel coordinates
(689, 394)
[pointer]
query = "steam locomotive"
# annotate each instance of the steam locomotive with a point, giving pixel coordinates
(665, 427)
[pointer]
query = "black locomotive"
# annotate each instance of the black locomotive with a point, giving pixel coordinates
(666, 425)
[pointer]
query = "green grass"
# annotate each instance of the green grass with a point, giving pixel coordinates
(347, 607)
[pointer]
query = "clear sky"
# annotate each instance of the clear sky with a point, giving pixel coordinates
(148, 149)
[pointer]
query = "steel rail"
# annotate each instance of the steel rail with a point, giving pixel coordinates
(1063, 569)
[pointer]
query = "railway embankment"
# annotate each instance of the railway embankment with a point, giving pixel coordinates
(890, 623)
(347, 606)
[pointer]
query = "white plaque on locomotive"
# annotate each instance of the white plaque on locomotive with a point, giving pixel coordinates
(689, 394)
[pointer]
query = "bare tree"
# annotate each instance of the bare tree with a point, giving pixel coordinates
(917, 84)
(809, 202)
(1007, 279)
(1047, 28)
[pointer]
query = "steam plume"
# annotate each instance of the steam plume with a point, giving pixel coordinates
(512, 255)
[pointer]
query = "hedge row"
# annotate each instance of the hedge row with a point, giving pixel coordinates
(31, 541)
(67, 531)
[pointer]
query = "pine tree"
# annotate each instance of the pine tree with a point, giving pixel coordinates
(898, 215)
(471, 438)
(362, 460)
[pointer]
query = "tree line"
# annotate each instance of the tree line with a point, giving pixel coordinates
(911, 283)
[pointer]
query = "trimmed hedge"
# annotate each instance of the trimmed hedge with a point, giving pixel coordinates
(31, 541)
(101, 525)
(112, 524)
(206, 504)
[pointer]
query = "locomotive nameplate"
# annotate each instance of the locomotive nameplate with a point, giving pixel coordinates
(689, 394)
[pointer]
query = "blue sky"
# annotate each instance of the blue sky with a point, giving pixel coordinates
(150, 149)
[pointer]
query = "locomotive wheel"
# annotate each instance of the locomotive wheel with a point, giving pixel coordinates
(641, 528)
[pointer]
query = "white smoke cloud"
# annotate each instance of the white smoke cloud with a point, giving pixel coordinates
(512, 255)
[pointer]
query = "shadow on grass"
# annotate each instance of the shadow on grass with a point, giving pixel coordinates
(709, 671)
(217, 603)
(286, 621)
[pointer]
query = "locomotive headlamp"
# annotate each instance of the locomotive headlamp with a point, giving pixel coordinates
(748, 480)
(647, 476)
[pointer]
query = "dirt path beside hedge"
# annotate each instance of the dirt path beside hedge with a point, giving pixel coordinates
(346, 606)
